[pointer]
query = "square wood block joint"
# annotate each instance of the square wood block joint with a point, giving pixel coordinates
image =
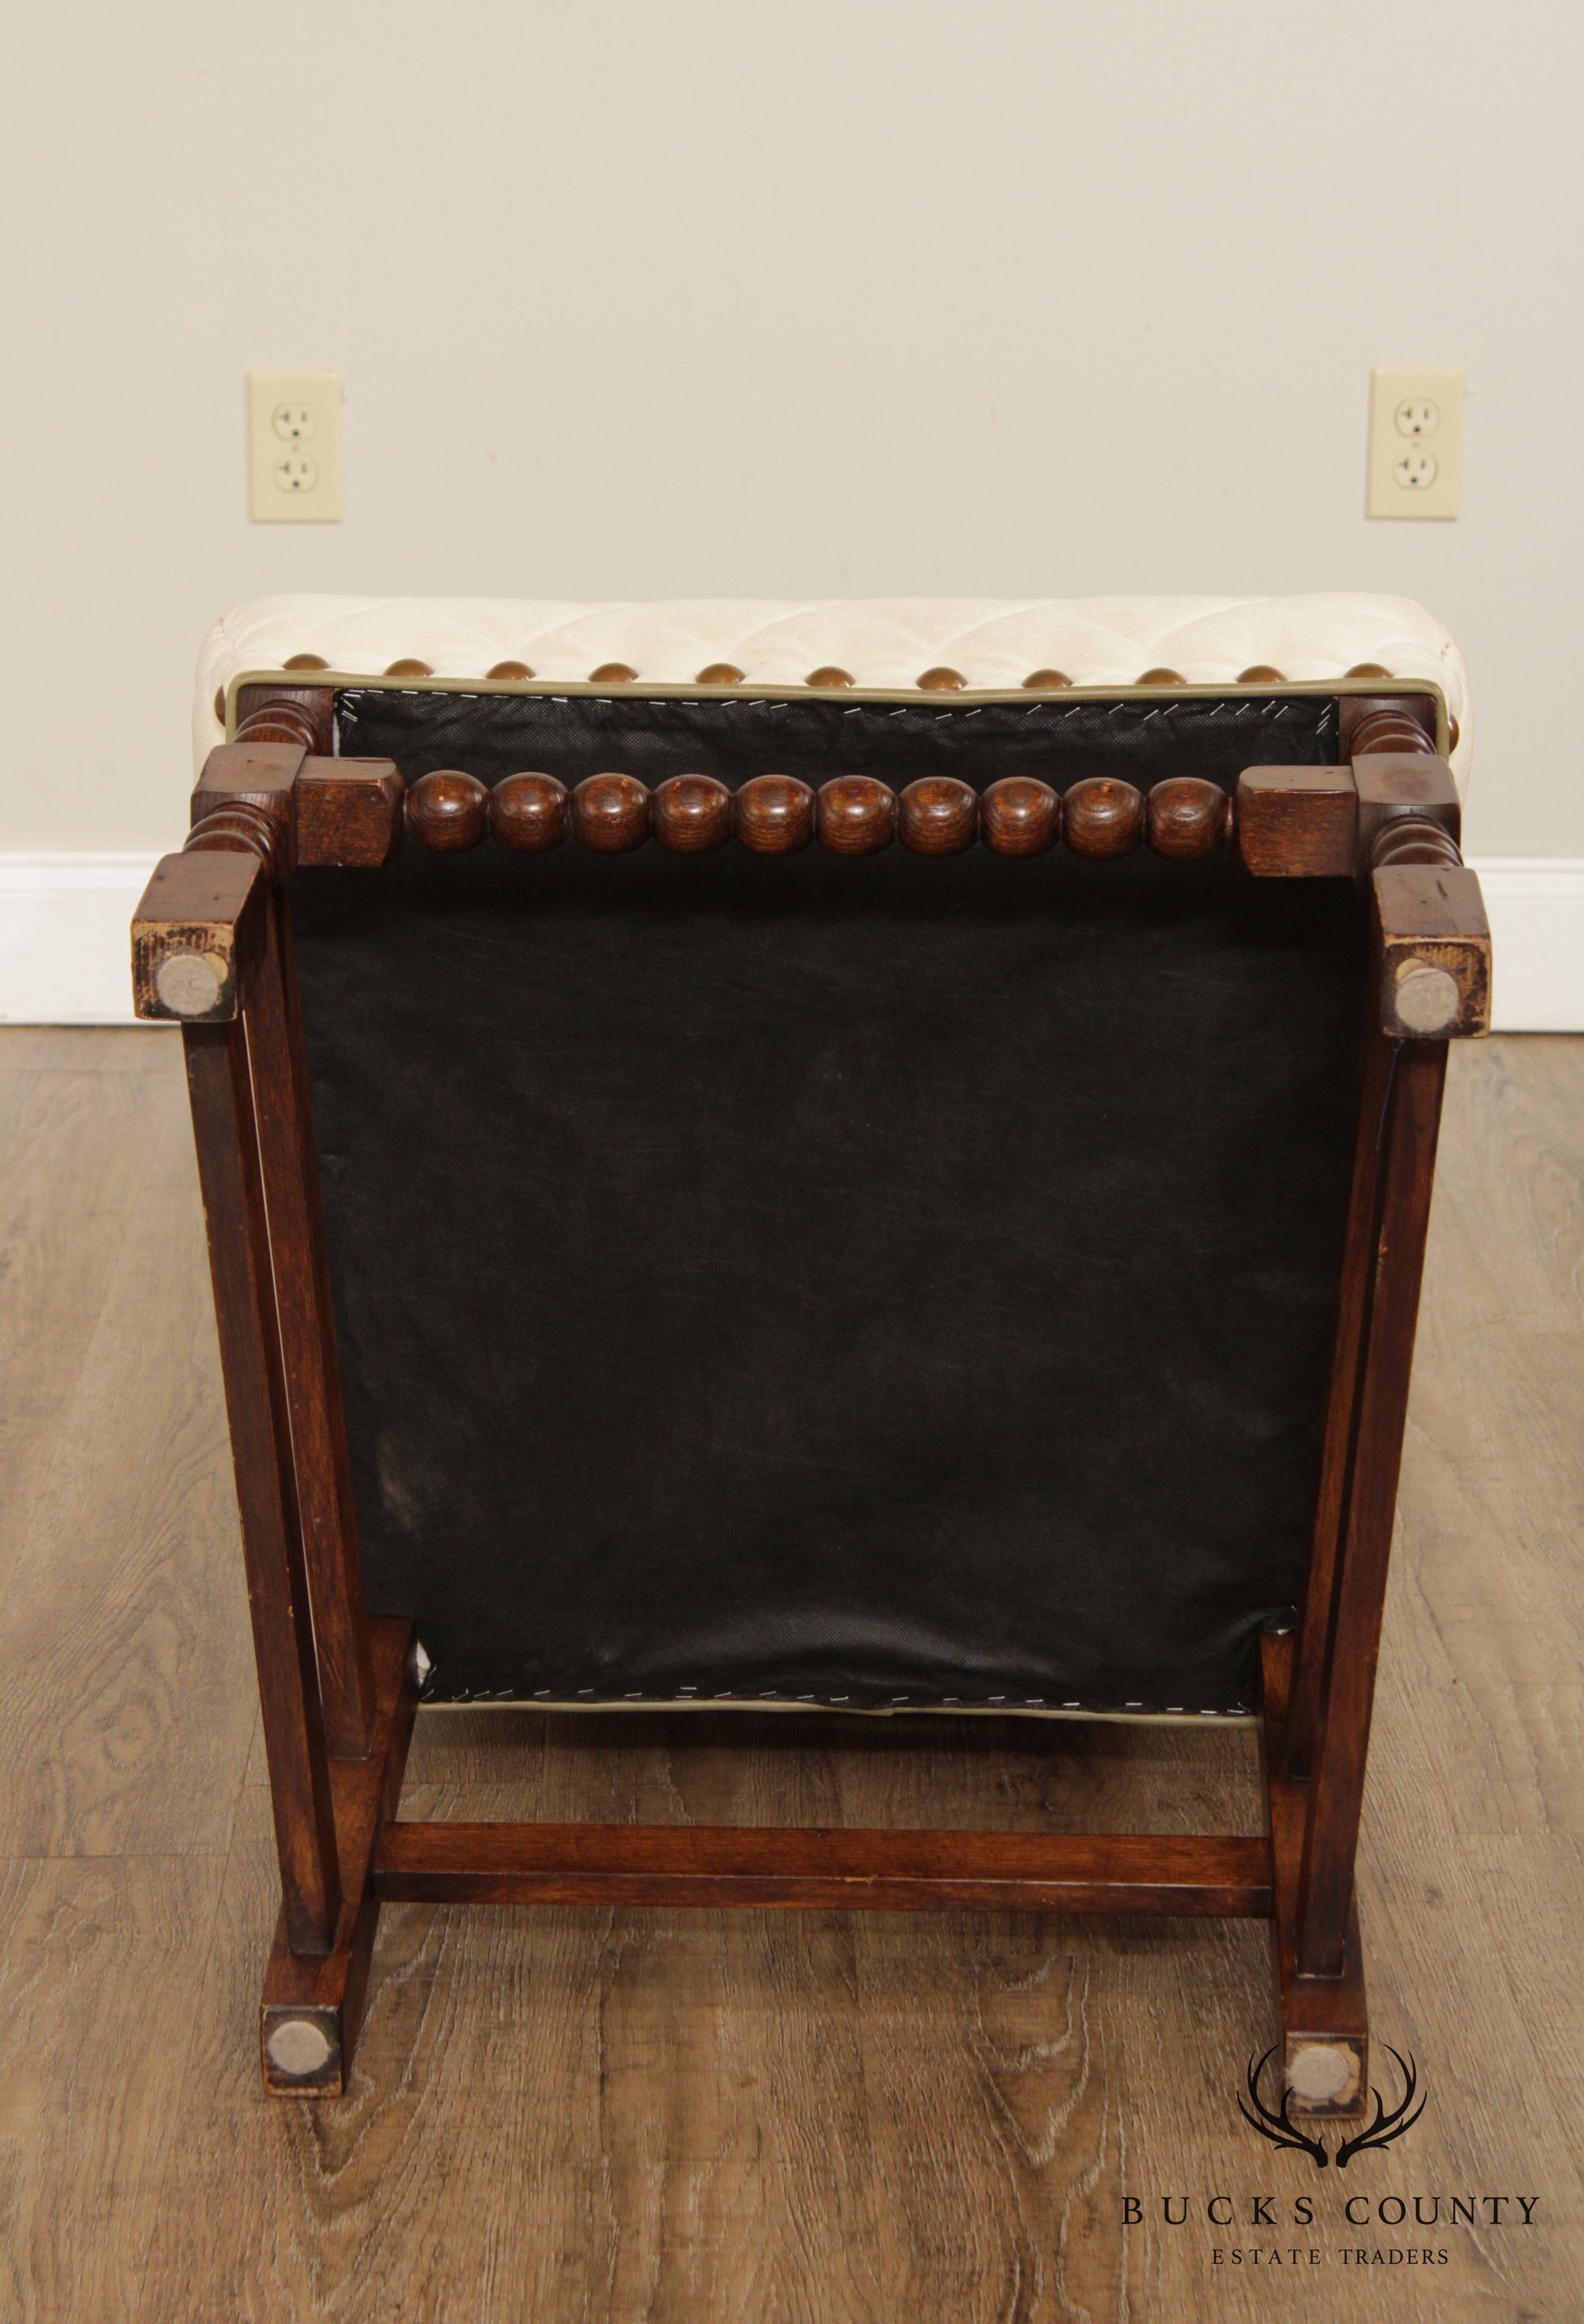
(1390, 784)
(349, 812)
(1298, 822)
(264, 774)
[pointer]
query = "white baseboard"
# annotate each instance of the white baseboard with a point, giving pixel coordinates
(65, 957)
(65, 940)
(1536, 905)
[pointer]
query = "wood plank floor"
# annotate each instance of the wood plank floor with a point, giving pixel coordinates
(825, 2117)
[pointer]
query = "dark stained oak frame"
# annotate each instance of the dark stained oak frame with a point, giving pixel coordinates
(212, 949)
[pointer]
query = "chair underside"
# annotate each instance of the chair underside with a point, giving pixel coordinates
(958, 1256)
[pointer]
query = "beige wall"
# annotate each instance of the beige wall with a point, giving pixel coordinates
(703, 298)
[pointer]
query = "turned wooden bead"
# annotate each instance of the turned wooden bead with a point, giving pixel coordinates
(447, 810)
(304, 661)
(1021, 816)
(1390, 729)
(1103, 817)
(1260, 673)
(527, 813)
(279, 720)
(1188, 818)
(409, 668)
(220, 704)
(1452, 732)
(509, 669)
(1369, 669)
(1414, 839)
(613, 673)
(942, 680)
(856, 816)
(938, 816)
(1046, 681)
(829, 674)
(610, 814)
(1161, 677)
(774, 815)
(719, 673)
(691, 814)
(242, 826)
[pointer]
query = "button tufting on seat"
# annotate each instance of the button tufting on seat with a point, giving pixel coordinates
(509, 669)
(719, 673)
(1096, 644)
(942, 680)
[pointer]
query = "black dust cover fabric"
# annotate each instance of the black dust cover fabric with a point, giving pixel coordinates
(890, 1282)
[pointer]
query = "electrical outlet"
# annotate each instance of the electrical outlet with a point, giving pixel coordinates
(1415, 443)
(294, 446)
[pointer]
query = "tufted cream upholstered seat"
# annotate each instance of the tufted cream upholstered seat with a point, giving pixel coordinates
(881, 644)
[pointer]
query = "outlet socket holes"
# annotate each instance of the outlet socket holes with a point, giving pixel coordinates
(1415, 471)
(1417, 417)
(298, 471)
(294, 422)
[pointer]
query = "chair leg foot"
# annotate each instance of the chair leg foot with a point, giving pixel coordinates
(1325, 2077)
(305, 2048)
(1325, 2027)
(312, 2004)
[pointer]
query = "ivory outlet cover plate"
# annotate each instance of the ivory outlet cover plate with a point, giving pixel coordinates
(1415, 443)
(294, 446)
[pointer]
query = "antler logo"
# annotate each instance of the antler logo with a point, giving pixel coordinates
(1281, 2130)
